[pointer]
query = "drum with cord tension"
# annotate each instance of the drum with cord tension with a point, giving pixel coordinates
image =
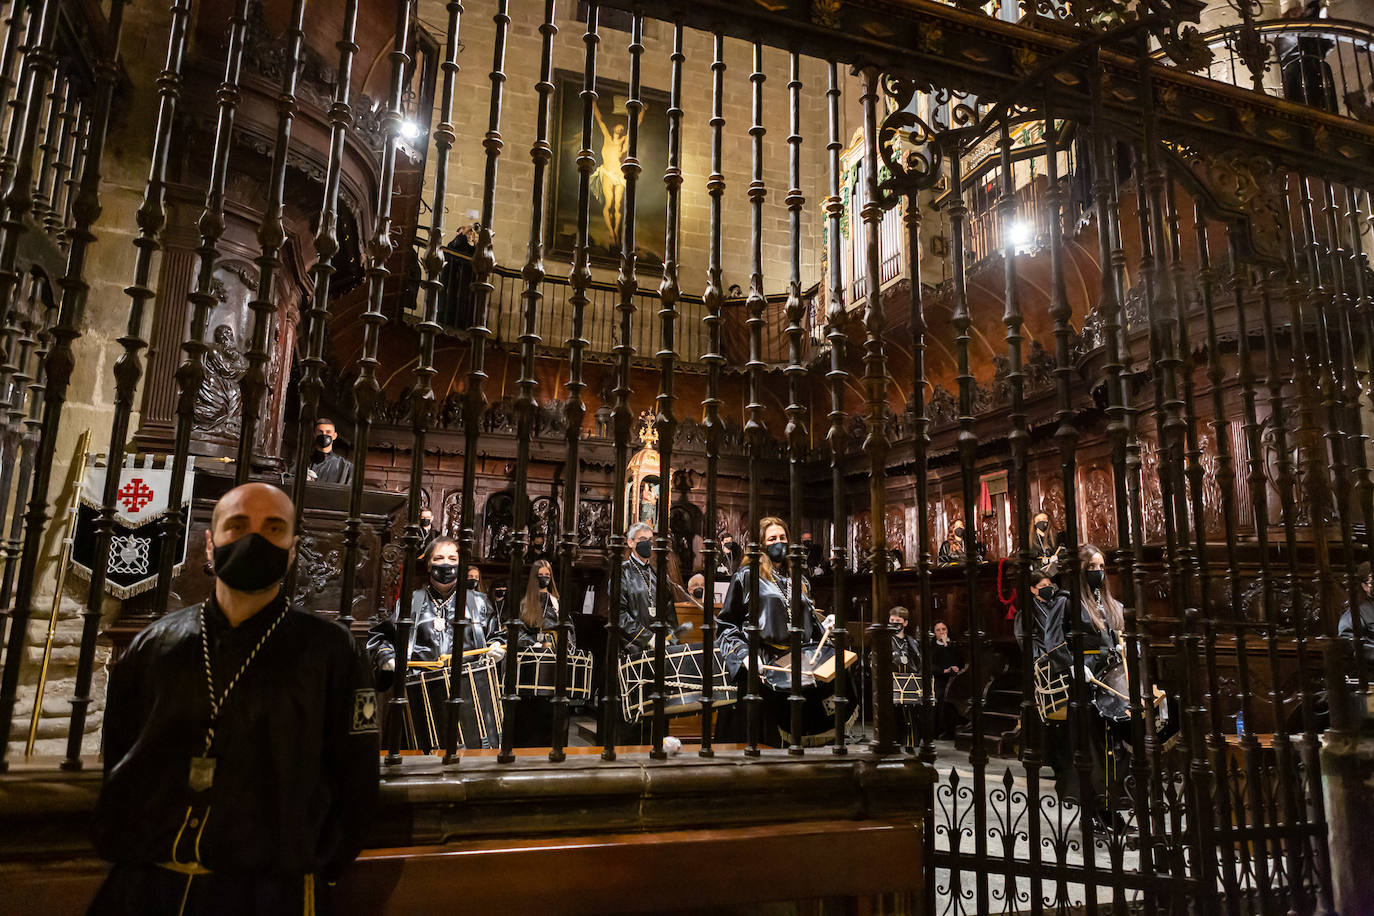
(539, 668)
(683, 681)
(429, 687)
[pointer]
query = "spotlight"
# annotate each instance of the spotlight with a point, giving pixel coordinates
(1020, 235)
(409, 129)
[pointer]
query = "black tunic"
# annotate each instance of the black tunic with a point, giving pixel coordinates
(331, 467)
(639, 605)
(774, 620)
(906, 653)
(531, 636)
(1346, 628)
(296, 745)
(431, 632)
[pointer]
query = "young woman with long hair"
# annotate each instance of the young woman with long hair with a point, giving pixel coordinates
(777, 584)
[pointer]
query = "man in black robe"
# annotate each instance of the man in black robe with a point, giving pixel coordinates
(327, 466)
(639, 593)
(257, 799)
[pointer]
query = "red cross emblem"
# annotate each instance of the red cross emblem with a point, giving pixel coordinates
(135, 495)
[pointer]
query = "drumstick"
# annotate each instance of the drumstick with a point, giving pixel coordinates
(1112, 690)
(482, 651)
(820, 645)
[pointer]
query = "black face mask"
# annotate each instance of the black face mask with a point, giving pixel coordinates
(251, 564)
(644, 549)
(1042, 594)
(959, 532)
(426, 523)
(444, 573)
(473, 584)
(698, 593)
(323, 440)
(1042, 527)
(545, 581)
(777, 551)
(1095, 578)
(499, 595)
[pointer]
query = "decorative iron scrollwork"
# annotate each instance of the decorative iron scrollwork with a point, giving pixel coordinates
(906, 143)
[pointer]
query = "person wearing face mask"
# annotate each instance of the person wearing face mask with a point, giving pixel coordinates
(729, 559)
(1048, 605)
(539, 611)
(433, 618)
(639, 593)
(428, 533)
(537, 627)
(906, 659)
(1045, 553)
(947, 661)
(957, 546)
(776, 588)
(327, 466)
(696, 588)
(207, 702)
(1101, 621)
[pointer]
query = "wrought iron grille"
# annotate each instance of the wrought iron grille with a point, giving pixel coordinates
(1193, 404)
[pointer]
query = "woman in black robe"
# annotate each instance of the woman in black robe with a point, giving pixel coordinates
(776, 585)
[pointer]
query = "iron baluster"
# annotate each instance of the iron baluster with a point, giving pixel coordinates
(311, 384)
(575, 410)
(876, 444)
(1358, 311)
(796, 430)
(128, 367)
(531, 294)
(38, 21)
(627, 284)
(191, 372)
(1226, 482)
(754, 428)
(44, 214)
(967, 445)
(422, 393)
(63, 169)
(271, 238)
(366, 389)
(714, 360)
(59, 363)
(665, 424)
(836, 377)
(483, 263)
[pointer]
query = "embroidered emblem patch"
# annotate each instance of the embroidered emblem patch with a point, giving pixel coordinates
(364, 711)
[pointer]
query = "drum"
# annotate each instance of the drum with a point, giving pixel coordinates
(818, 667)
(538, 667)
(427, 690)
(1051, 691)
(818, 694)
(682, 682)
(1111, 696)
(906, 689)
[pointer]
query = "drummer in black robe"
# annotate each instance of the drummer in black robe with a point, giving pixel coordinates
(433, 619)
(906, 659)
(1101, 621)
(638, 611)
(639, 594)
(776, 587)
(537, 628)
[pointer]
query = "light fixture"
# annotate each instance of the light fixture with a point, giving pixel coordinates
(409, 129)
(1020, 235)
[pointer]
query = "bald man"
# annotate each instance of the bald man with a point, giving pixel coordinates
(254, 801)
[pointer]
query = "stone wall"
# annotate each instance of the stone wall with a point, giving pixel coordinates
(109, 270)
(518, 123)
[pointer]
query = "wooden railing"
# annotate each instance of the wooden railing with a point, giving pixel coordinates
(601, 325)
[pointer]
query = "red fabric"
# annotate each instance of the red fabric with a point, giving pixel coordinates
(1008, 601)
